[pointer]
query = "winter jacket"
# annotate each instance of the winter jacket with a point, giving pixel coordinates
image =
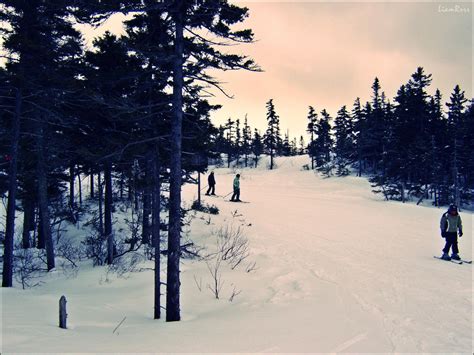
(236, 183)
(450, 223)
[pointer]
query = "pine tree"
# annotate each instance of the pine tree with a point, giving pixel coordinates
(238, 142)
(360, 132)
(257, 146)
(324, 142)
(467, 166)
(111, 74)
(437, 126)
(311, 129)
(302, 149)
(44, 47)
(344, 145)
(375, 130)
(246, 140)
(455, 123)
(286, 147)
(217, 18)
(230, 138)
(220, 143)
(420, 117)
(272, 136)
(294, 147)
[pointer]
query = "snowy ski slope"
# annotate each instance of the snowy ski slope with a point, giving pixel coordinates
(337, 270)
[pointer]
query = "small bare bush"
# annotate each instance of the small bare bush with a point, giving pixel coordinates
(252, 266)
(126, 264)
(198, 283)
(235, 293)
(214, 267)
(134, 229)
(231, 250)
(28, 268)
(95, 248)
(232, 245)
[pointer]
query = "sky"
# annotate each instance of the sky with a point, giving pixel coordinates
(326, 54)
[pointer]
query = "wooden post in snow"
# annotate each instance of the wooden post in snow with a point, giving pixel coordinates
(62, 312)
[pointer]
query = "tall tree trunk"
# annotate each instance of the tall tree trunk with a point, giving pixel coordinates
(71, 186)
(199, 188)
(147, 192)
(174, 233)
(155, 231)
(136, 194)
(108, 212)
(36, 228)
(80, 189)
(28, 220)
(41, 241)
(101, 203)
(7, 276)
(92, 184)
(271, 159)
(43, 197)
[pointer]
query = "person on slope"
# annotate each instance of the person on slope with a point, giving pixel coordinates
(450, 224)
(236, 196)
(211, 182)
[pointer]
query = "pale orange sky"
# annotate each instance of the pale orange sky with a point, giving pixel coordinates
(326, 54)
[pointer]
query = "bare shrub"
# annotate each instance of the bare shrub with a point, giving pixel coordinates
(134, 225)
(69, 255)
(235, 293)
(232, 245)
(214, 267)
(126, 264)
(198, 283)
(252, 266)
(28, 267)
(95, 248)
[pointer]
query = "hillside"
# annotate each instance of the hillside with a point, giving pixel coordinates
(336, 270)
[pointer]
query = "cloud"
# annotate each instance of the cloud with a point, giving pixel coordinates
(326, 54)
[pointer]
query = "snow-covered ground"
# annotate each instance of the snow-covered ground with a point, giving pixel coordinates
(337, 270)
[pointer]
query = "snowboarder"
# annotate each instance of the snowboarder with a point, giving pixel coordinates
(450, 224)
(211, 181)
(236, 195)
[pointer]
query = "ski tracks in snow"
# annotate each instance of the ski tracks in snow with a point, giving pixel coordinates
(347, 344)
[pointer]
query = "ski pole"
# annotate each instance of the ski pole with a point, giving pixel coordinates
(227, 194)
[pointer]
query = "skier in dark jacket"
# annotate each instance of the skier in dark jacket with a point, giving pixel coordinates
(450, 224)
(211, 181)
(236, 185)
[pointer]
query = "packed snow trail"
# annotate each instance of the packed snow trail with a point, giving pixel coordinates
(338, 270)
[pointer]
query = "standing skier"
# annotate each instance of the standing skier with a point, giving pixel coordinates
(211, 181)
(236, 195)
(450, 224)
